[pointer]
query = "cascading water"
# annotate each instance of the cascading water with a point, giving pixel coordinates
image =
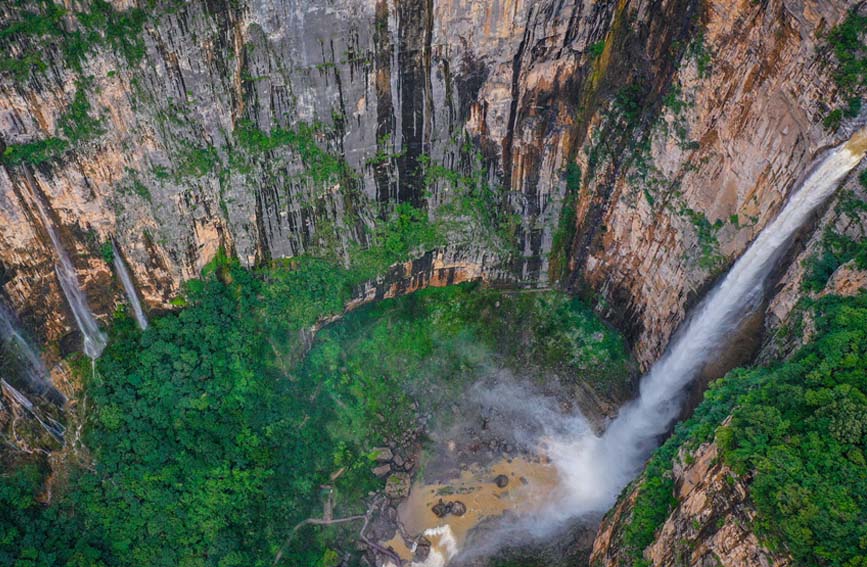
(94, 339)
(29, 364)
(50, 425)
(594, 469)
(128, 287)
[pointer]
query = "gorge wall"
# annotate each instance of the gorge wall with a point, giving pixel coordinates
(679, 114)
(627, 151)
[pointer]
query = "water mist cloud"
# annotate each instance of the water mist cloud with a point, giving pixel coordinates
(594, 469)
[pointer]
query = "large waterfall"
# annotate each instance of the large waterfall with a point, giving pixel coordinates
(595, 469)
(128, 287)
(94, 339)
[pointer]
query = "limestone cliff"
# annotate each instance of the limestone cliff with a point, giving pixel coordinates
(679, 114)
(711, 520)
(739, 125)
(627, 150)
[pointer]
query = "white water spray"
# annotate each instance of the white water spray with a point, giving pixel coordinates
(595, 469)
(94, 339)
(128, 287)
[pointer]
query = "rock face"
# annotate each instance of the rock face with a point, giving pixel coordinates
(689, 122)
(709, 526)
(738, 128)
(384, 87)
(510, 92)
(787, 324)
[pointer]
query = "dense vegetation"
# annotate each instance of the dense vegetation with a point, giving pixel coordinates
(42, 26)
(212, 434)
(836, 248)
(847, 43)
(797, 435)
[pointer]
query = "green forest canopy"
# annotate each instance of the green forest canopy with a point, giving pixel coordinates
(211, 436)
(798, 434)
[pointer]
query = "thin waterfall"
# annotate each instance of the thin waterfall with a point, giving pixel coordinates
(94, 339)
(128, 287)
(595, 469)
(29, 364)
(52, 426)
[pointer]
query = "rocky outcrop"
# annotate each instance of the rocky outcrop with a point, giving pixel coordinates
(711, 524)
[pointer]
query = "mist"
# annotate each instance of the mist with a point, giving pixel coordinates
(593, 469)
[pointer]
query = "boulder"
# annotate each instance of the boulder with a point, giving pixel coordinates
(443, 508)
(397, 486)
(422, 550)
(382, 470)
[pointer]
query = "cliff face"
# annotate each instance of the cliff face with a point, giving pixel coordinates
(629, 150)
(712, 520)
(711, 524)
(739, 126)
(373, 93)
(379, 101)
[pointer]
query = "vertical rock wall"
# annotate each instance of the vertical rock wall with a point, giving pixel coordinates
(507, 91)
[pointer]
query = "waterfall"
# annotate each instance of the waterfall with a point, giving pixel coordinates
(29, 363)
(594, 469)
(128, 287)
(94, 339)
(50, 425)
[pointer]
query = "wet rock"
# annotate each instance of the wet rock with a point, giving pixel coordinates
(382, 470)
(443, 508)
(422, 549)
(501, 481)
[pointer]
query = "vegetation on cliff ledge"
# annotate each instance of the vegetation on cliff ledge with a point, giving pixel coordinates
(797, 436)
(848, 45)
(213, 433)
(43, 26)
